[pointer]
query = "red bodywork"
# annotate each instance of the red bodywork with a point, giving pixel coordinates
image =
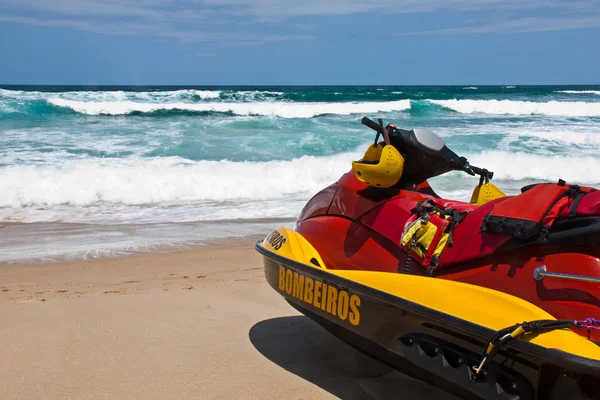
(355, 227)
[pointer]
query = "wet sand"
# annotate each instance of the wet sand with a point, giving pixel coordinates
(199, 323)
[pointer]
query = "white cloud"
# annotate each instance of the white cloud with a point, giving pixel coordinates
(223, 20)
(520, 25)
(289, 8)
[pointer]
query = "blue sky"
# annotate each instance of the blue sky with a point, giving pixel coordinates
(272, 42)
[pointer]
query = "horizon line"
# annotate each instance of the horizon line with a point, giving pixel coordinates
(295, 85)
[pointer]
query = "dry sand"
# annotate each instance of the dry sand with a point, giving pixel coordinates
(200, 323)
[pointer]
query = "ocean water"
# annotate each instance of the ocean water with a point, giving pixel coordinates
(110, 169)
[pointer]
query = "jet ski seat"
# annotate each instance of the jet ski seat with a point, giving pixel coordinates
(526, 218)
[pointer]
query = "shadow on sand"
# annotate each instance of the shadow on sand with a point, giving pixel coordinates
(303, 348)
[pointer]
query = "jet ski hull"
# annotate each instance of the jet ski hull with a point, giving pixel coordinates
(350, 245)
(367, 310)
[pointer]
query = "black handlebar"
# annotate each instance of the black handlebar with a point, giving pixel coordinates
(371, 124)
(470, 169)
(481, 171)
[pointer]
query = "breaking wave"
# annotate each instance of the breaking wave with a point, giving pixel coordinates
(115, 95)
(276, 103)
(168, 179)
(525, 166)
(579, 91)
(279, 109)
(173, 179)
(514, 107)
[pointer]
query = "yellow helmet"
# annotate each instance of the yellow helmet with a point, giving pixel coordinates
(381, 166)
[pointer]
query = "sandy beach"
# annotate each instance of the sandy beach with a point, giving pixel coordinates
(199, 323)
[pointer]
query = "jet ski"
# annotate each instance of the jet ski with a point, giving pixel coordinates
(541, 245)
(495, 298)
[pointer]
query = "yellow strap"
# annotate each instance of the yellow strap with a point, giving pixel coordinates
(410, 232)
(517, 332)
(426, 234)
(441, 245)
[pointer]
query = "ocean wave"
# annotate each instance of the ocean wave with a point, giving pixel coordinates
(513, 107)
(288, 109)
(152, 96)
(280, 109)
(250, 95)
(515, 166)
(579, 91)
(142, 181)
(114, 96)
(579, 138)
(164, 180)
(471, 88)
(270, 103)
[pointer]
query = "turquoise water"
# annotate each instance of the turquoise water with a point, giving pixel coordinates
(138, 155)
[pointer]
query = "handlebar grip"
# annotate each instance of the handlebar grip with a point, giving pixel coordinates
(371, 124)
(480, 171)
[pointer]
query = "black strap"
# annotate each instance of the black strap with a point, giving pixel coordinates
(379, 132)
(573, 210)
(456, 218)
(572, 192)
(426, 207)
(376, 139)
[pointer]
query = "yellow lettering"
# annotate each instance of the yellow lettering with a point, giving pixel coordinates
(324, 297)
(298, 285)
(354, 314)
(318, 287)
(332, 294)
(343, 305)
(319, 294)
(308, 290)
(281, 278)
(288, 281)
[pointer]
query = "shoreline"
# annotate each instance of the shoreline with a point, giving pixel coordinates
(55, 242)
(167, 250)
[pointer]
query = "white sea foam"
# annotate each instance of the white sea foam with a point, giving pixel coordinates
(172, 179)
(567, 137)
(159, 96)
(117, 95)
(173, 189)
(280, 109)
(164, 190)
(500, 107)
(471, 88)
(517, 166)
(579, 91)
(251, 95)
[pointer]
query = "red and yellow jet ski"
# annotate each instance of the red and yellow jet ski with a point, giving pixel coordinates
(422, 282)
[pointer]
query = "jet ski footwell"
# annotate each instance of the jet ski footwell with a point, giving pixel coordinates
(433, 329)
